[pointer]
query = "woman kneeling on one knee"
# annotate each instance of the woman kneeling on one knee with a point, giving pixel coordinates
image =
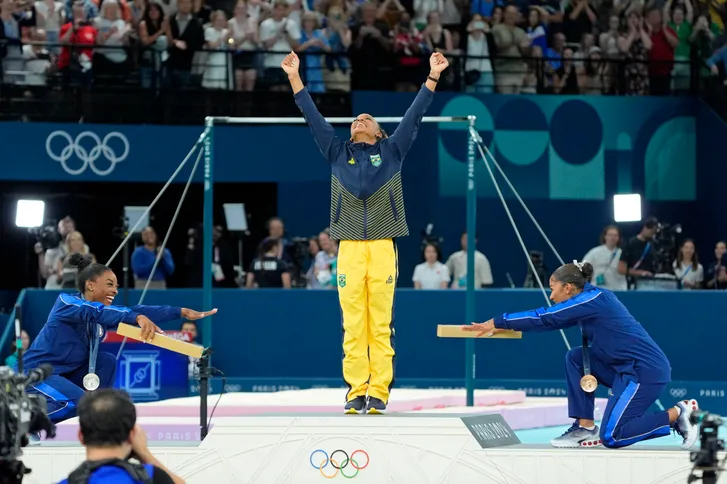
(623, 357)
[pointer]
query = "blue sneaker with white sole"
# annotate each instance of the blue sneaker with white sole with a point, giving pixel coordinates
(376, 406)
(686, 430)
(577, 436)
(356, 406)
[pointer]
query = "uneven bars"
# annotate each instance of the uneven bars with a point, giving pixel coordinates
(384, 119)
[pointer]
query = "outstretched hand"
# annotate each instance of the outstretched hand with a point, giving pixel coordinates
(148, 328)
(192, 315)
(483, 329)
(437, 62)
(291, 63)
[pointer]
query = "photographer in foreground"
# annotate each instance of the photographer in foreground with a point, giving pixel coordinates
(109, 432)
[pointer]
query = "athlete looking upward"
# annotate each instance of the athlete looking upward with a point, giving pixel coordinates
(367, 215)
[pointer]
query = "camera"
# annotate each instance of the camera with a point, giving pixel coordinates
(47, 235)
(536, 257)
(20, 414)
(665, 247)
(705, 459)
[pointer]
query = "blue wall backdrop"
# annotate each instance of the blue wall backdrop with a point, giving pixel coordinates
(273, 338)
(566, 156)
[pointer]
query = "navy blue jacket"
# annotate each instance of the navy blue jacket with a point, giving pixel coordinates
(616, 339)
(366, 194)
(64, 340)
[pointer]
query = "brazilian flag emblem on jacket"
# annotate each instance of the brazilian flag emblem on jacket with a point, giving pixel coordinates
(342, 280)
(375, 160)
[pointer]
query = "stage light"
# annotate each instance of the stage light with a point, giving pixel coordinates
(627, 207)
(29, 213)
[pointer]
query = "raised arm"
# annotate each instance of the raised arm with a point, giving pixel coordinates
(559, 316)
(159, 314)
(405, 134)
(328, 143)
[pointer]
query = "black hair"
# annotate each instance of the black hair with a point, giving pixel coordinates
(651, 223)
(106, 417)
(573, 274)
(88, 270)
(267, 245)
(436, 249)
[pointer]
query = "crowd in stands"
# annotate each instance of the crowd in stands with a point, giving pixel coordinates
(511, 46)
(619, 263)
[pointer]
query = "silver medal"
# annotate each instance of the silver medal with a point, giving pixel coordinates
(91, 382)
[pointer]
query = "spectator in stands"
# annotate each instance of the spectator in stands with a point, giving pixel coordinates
(50, 17)
(536, 29)
(512, 43)
(687, 268)
(68, 272)
(605, 259)
(635, 45)
(187, 38)
(337, 75)
(90, 9)
(431, 274)
(244, 33)
(12, 360)
(478, 66)
(110, 434)
(661, 55)
(258, 10)
(704, 34)
(679, 19)
(313, 43)
(154, 35)
(202, 11)
(637, 257)
(608, 40)
(579, 18)
(276, 230)
(37, 59)
(75, 63)
(457, 266)
(268, 270)
(143, 259)
(408, 49)
(370, 51)
(280, 35)
(190, 327)
(13, 62)
(137, 9)
(111, 64)
(439, 39)
(595, 74)
(324, 264)
(217, 67)
(169, 7)
(716, 275)
(565, 79)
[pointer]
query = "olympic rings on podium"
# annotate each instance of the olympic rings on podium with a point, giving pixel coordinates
(325, 459)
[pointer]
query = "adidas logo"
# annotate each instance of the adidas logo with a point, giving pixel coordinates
(390, 280)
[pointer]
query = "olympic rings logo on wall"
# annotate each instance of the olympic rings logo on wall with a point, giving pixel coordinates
(339, 461)
(678, 392)
(88, 157)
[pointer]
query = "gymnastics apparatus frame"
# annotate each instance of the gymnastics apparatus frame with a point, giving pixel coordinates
(207, 139)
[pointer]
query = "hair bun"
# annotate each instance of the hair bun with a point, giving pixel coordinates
(587, 270)
(80, 261)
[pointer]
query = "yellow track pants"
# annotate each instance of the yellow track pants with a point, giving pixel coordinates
(367, 272)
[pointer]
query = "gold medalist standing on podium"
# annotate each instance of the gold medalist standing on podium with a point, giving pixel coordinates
(367, 215)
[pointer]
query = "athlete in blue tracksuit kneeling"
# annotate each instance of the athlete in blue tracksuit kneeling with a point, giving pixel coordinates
(623, 358)
(74, 322)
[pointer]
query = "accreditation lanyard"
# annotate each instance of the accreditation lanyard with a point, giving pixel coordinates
(586, 355)
(685, 273)
(643, 255)
(613, 256)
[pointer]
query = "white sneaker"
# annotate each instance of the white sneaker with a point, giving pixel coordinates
(576, 437)
(688, 431)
